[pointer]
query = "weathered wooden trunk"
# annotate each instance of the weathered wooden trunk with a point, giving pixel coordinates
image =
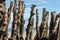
(58, 29)
(30, 24)
(3, 21)
(44, 25)
(37, 36)
(14, 25)
(22, 20)
(52, 26)
(18, 19)
(58, 34)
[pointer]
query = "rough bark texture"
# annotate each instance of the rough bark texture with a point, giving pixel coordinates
(14, 26)
(30, 24)
(52, 25)
(37, 27)
(3, 21)
(58, 29)
(22, 21)
(42, 33)
(18, 19)
(44, 25)
(58, 34)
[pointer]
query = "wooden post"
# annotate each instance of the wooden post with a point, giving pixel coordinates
(58, 29)
(14, 26)
(22, 20)
(52, 23)
(5, 36)
(30, 24)
(18, 19)
(58, 34)
(3, 20)
(44, 25)
(37, 27)
(55, 28)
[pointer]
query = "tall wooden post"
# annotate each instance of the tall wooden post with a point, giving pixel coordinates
(14, 26)
(54, 34)
(22, 20)
(58, 34)
(18, 19)
(52, 25)
(30, 24)
(58, 29)
(5, 36)
(44, 25)
(3, 20)
(37, 27)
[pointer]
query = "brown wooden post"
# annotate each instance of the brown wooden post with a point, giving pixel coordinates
(3, 20)
(55, 28)
(30, 24)
(52, 23)
(32, 21)
(58, 34)
(44, 25)
(22, 20)
(18, 19)
(37, 27)
(5, 35)
(14, 26)
(58, 29)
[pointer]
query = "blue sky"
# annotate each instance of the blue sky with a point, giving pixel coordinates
(51, 5)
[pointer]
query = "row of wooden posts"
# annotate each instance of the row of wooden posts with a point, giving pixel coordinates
(43, 32)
